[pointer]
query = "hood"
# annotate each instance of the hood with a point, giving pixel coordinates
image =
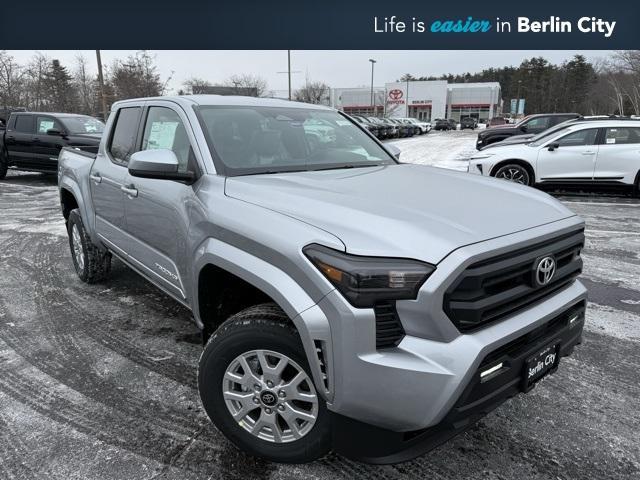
(403, 210)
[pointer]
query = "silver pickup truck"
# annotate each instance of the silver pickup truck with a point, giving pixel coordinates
(347, 301)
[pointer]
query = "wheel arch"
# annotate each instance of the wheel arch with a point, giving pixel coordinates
(517, 161)
(222, 265)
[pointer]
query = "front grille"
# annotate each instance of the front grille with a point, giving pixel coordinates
(493, 289)
(389, 331)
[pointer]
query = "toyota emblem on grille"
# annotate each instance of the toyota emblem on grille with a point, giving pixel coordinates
(545, 270)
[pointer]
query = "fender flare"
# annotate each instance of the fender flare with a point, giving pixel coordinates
(74, 189)
(308, 319)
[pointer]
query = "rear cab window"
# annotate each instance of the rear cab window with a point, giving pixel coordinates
(124, 134)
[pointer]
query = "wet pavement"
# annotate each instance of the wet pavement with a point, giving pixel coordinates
(99, 381)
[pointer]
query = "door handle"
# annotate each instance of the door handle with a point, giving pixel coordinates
(130, 190)
(590, 152)
(11, 137)
(35, 139)
(96, 178)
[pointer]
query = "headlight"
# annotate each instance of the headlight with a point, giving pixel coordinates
(365, 281)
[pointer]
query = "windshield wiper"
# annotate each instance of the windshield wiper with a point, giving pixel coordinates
(348, 165)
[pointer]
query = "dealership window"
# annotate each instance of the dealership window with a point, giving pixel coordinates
(579, 138)
(481, 113)
(622, 136)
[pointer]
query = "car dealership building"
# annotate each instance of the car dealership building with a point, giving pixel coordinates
(425, 100)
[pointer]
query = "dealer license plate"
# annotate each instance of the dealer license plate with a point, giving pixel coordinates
(539, 365)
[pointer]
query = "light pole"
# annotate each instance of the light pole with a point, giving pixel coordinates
(518, 98)
(101, 84)
(373, 62)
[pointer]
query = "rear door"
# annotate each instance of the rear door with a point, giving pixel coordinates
(107, 178)
(573, 160)
(619, 155)
(18, 140)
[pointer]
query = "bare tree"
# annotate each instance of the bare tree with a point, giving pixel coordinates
(194, 84)
(11, 81)
(35, 74)
(313, 92)
(248, 81)
(86, 86)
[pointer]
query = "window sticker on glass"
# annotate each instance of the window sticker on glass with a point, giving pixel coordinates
(162, 135)
(45, 125)
(343, 123)
(611, 140)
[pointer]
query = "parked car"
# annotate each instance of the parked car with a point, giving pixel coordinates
(468, 122)
(405, 130)
(579, 153)
(496, 121)
(386, 130)
(453, 124)
(531, 124)
(395, 128)
(442, 124)
(424, 127)
(32, 141)
(375, 130)
(343, 304)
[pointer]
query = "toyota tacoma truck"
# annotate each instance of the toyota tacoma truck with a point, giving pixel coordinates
(32, 141)
(348, 302)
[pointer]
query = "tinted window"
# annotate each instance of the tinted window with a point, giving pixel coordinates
(579, 138)
(24, 123)
(622, 136)
(164, 129)
(44, 124)
(124, 134)
(537, 124)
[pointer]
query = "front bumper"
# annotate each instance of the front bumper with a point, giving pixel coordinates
(368, 443)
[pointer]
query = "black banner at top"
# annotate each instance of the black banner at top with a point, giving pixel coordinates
(322, 24)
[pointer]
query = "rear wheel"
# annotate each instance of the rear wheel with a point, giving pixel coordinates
(91, 263)
(514, 172)
(255, 385)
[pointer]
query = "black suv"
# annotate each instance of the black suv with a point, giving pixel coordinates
(530, 124)
(468, 122)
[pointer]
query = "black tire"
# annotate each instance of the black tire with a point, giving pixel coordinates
(636, 186)
(96, 263)
(514, 172)
(4, 163)
(261, 327)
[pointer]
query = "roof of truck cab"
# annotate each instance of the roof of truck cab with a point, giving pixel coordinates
(227, 100)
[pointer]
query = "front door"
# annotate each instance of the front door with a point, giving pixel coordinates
(570, 158)
(157, 216)
(107, 179)
(46, 148)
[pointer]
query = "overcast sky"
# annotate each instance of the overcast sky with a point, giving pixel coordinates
(340, 68)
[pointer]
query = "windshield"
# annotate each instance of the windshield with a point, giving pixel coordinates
(81, 124)
(252, 140)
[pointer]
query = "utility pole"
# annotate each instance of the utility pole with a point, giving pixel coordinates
(101, 82)
(289, 71)
(373, 62)
(406, 100)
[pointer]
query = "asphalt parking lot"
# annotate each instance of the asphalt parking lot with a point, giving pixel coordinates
(99, 381)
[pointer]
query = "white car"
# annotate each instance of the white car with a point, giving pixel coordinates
(425, 127)
(601, 152)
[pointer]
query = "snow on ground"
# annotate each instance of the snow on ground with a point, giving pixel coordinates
(440, 149)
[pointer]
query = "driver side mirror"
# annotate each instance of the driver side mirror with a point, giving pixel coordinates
(524, 128)
(551, 147)
(55, 132)
(395, 151)
(160, 164)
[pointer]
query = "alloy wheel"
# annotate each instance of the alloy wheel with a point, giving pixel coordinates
(514, 173)
(270, 396)
(76, 241)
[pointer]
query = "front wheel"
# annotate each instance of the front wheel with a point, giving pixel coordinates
(514, 173)
(255, 385)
